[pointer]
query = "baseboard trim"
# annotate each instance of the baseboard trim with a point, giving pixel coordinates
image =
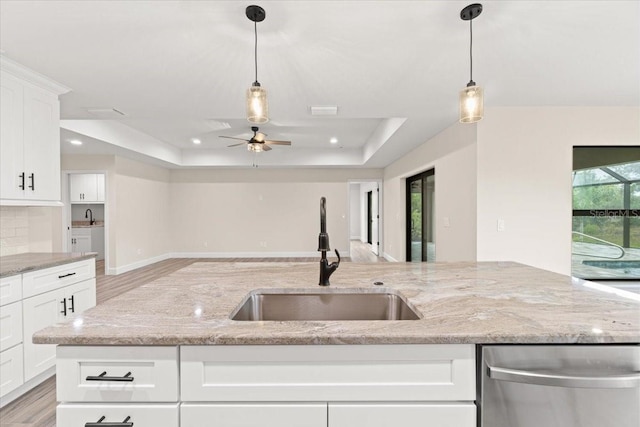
(245, 254)
(138, 264)
(389, 257)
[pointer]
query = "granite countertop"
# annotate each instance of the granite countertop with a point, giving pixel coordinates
(87, 224)
(23, 263)
(459, 302)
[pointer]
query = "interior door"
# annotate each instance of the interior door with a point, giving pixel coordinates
(375, 216)
(369, 217)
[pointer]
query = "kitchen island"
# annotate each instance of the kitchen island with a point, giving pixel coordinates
(460, 303)
(191, 362)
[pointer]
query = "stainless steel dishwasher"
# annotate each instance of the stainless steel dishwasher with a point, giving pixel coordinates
(559, 386)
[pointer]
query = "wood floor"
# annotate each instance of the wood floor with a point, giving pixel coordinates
(37, 408)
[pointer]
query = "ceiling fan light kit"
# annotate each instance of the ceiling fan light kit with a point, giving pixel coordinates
(258, 141)
(257, 104)
(471, 97)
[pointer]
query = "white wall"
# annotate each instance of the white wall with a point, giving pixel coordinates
(259, 212)
(355, 211)
(524, 177)
(453, 155)
(142, 214)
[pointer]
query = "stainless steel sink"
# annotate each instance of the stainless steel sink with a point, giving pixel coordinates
(323, 305)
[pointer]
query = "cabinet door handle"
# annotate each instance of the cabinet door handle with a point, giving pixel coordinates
(66, 275)
(103, 377)
(100, 423)
(72, 308)
(64, 306)
(32, 177)
(21, 176)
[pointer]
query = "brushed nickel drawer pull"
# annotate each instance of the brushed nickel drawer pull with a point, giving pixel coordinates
(103, 377)
(99, 423)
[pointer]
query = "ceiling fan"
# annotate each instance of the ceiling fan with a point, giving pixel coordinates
(258, 142)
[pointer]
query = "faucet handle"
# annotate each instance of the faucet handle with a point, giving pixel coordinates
(338, 255)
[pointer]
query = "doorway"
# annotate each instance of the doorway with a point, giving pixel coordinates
(369, 216)
(365, 219)
(85, 217)
(420, 210)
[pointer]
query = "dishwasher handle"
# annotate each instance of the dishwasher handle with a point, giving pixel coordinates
(631, 380)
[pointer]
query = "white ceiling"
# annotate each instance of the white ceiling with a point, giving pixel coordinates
(179, 70)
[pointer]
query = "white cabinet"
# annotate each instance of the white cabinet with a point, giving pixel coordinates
(41, 311)
(441, 414)
(47, 309)
(10, 289)
(139, 415)
(275, 386)
(11, 356)
(33, 301)
(10, 325)
(11, 370)
(30, 137)
(11, 137)
(328, 373)
(81, 244)
(255, 414)
(117, 374)
(86, 188)
(329, 385)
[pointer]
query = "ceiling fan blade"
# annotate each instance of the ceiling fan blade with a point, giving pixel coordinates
(278, 142)
(233, 137)
(265, 147)
(235, 145)
(260, 137)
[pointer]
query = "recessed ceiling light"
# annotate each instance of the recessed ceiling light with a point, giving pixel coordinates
(333, 140)
(196, 141)
(75, 142)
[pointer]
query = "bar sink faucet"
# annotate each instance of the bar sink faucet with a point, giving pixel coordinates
(326, 269)
(89, 214)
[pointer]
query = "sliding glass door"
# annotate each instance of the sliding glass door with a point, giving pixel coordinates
(420, 210)
(606, 213)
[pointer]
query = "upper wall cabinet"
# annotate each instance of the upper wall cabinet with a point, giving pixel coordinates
(29, 137)
(86, 188)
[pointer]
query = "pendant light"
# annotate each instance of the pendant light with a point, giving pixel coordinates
(257, 105)
(471, 97)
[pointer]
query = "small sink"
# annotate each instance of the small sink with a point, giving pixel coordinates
(323, 305)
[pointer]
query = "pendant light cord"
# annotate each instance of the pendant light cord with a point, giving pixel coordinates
(470, 50)
(255, 53)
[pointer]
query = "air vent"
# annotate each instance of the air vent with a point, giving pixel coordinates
(323, 110)
(106, 113)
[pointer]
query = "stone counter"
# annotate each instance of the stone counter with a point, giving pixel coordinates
(23, 263)
(473, 303)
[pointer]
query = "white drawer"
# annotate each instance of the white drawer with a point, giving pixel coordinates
(254, 414)
(402, 414)
(10, 289)
(11, 365)
(48, 279)
(139, 415)
(154, 371)
(80, 231)
(10, 325)
(327, 373)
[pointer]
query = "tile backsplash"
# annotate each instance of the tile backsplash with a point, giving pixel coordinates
(26, 229)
